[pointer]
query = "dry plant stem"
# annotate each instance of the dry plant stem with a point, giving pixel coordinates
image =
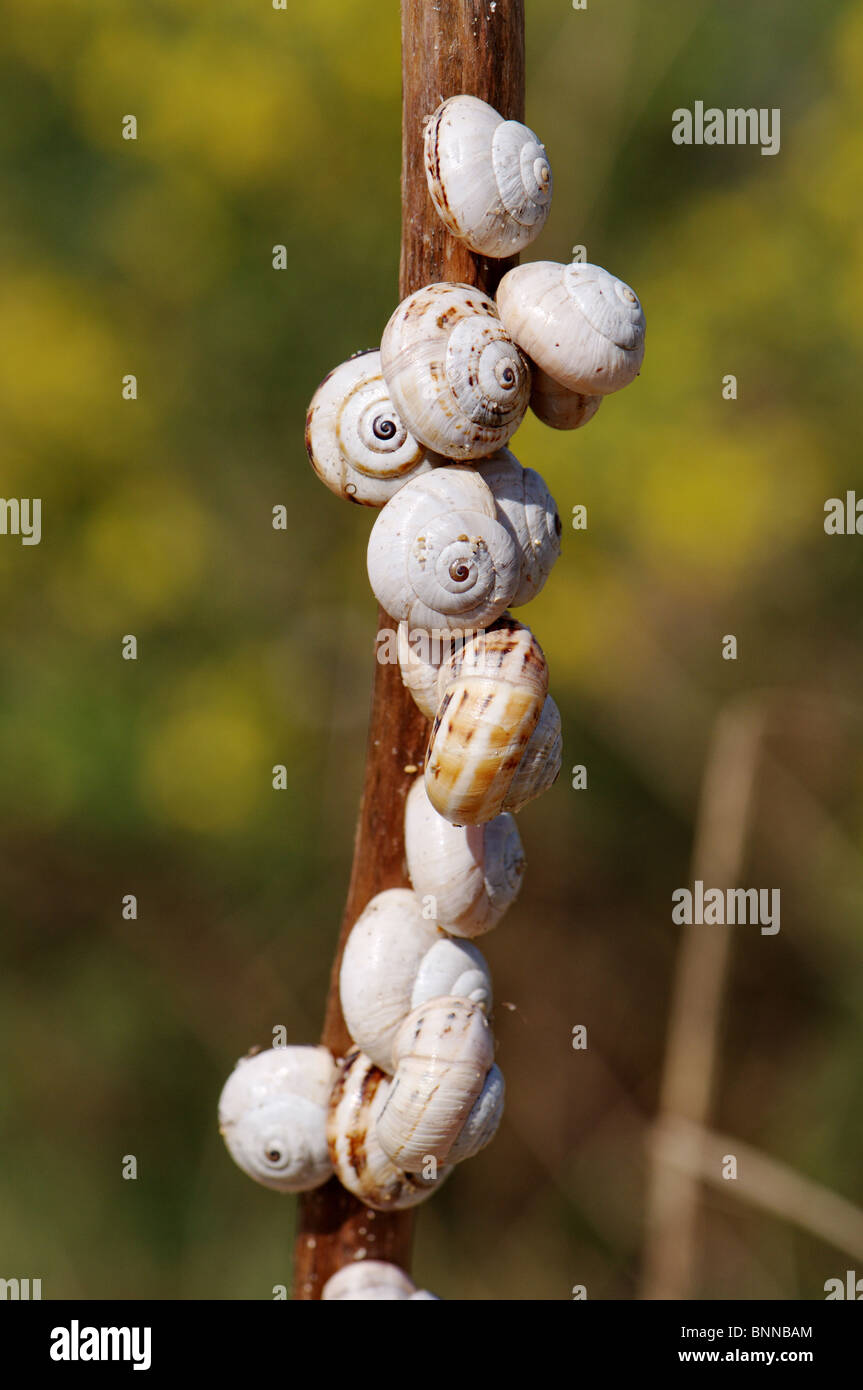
(448, 47)
(690, 1057)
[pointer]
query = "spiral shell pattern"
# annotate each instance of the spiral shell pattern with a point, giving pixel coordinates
(454, 374)
(489, 179)
(528, 511)
(437, 555)
(272, 1116)
(356, 441)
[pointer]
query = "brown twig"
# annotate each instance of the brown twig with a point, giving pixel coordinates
(448, 46)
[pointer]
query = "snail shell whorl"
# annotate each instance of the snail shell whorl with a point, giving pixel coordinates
(437, 555)
(395, 959)
(473, 872)
(361, 1164)
(529, 512)
(356, 441)
(272, 1116)
(578, 323)
(443, 1053)
(489, 179)
(560, 409)
(453, 372)
(372, 1279)
(493, 692)
(419, 664)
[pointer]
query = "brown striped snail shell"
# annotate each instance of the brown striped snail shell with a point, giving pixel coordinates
(395, 959)
(489, 179)
(453, 372)
(361, 1164)
(560, 409)
(472, 872)
(495, 689)
(356, 441)
(578, 323)
(272, 1116)
(447, 1095)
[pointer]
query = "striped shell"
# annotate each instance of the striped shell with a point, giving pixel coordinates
(528, 511)
(446, 1096)
(473, 873)
(489, 179)
(539, 767)
(372, 1279)
(561, 409)
(582, 326)
(437, 555)
(272, 1116)
(356, 441)
(395, 959)
(454, 374)
(361, 1164)
(495, 689)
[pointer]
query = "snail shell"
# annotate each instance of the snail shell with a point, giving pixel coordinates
(419, 663)
(356, 441)
(529, 512)
(362, 1166)
(474, 872)
(272, 1116)
(489, 179)
(444, 1053)
(372, 1279)
(495, 689)
(395, 959)
(437, 555)
(561, 409)
(578, 323)
(453, 372)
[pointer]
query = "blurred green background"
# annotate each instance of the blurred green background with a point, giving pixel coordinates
(258, 127)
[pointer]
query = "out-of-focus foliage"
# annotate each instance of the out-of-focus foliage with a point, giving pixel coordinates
(259, 127)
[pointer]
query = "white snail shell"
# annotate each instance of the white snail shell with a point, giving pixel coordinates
(495, 689)
(529, 512)
(272, 1116)
(444, 1052)
(420, 656)
(474, 872)
(578, 323)
(453, 372)
(561, 409)
(357, 443)
(372, 1279)
(395, 959)
(489, 179)
(358, 1099)
(540, 763)
(438, 557)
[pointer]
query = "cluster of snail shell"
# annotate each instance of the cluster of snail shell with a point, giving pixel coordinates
(419, 429)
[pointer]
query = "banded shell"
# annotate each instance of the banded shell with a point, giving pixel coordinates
(438, 557)
(528, 511)
(472, 872)
(446, 1095)
(578, 323)
(495, 690)
(272, 1116)
(560, 409)
(453, 372)
(489, 179)
(539, 767)
(361, 1164)
(372, 1279)
(356, 441)
(395, 959)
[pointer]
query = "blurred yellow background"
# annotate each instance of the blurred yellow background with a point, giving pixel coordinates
(154, 257)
